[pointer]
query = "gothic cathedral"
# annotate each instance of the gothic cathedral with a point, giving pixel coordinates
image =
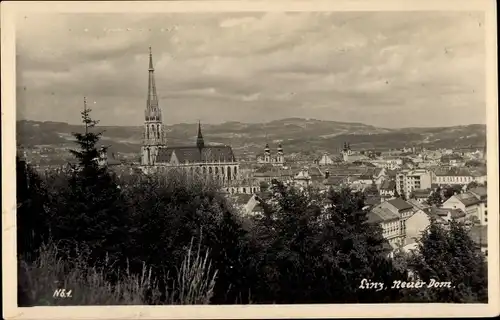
(215, 161)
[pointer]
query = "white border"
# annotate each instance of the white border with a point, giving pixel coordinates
(8, 12)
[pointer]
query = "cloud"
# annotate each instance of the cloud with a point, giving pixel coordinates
(421, 68)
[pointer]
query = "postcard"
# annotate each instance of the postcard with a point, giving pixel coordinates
(249, 159)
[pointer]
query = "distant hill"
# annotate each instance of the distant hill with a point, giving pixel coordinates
(297, 135)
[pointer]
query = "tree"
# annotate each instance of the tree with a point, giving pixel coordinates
(449, 191)
(360, 250)
(264, 186)
(396, 193)
(309, 253)
(472, 185)
(449, 255)
(168, 210)
(90, 210)
(474, 163)
(32, 223)
(435, 198)
(403, 196)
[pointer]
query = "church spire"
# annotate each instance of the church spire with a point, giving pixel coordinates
(152, 108)
(200, 143)
(151, 69)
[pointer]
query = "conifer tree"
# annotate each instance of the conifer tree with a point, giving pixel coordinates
(90, 211)
(32, 224)
(448, 254)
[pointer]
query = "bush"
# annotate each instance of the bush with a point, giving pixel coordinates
(89, 284)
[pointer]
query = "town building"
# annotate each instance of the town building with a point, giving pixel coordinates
(417, 205)
(454, 160)
(445, 215)
(416, 225)
(387, 190)
(388, 162)
(400, 207)
(390, 224)
(350, 156)
(325, 160)
(457, 176)
(302, 178)
(421, 195)
(268, 173)
(479, 234)
(409, 180)
(473, 202)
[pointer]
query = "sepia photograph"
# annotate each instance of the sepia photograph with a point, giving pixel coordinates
(251, 157)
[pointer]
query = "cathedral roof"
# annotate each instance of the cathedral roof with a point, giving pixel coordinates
(194, 154)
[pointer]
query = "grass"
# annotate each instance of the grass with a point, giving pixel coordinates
(193, 283)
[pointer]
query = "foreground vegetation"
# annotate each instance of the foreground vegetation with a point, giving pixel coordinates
(175, 239)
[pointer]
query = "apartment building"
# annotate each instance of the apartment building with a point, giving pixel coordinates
(390, 224)
(409, 180)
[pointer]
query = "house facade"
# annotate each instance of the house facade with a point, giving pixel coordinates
(409, 180)
(473, 203)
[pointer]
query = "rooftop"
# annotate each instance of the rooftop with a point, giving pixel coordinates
(400, 204)
(457, 213)
(418, 205)
(194, 154)
(388, 185)
(468, 199)
(480, 192)
(421, 193)
(384, 214)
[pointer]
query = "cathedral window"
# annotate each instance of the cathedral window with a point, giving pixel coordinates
(216, 171)
(210, 170)
(229, 173)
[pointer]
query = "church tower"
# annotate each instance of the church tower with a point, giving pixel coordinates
(346, 152)
(154, 136)
(280, 159)
(267, 154)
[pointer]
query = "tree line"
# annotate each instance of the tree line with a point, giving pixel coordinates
(176, 239)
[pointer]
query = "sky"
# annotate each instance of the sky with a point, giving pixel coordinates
(388, 69)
